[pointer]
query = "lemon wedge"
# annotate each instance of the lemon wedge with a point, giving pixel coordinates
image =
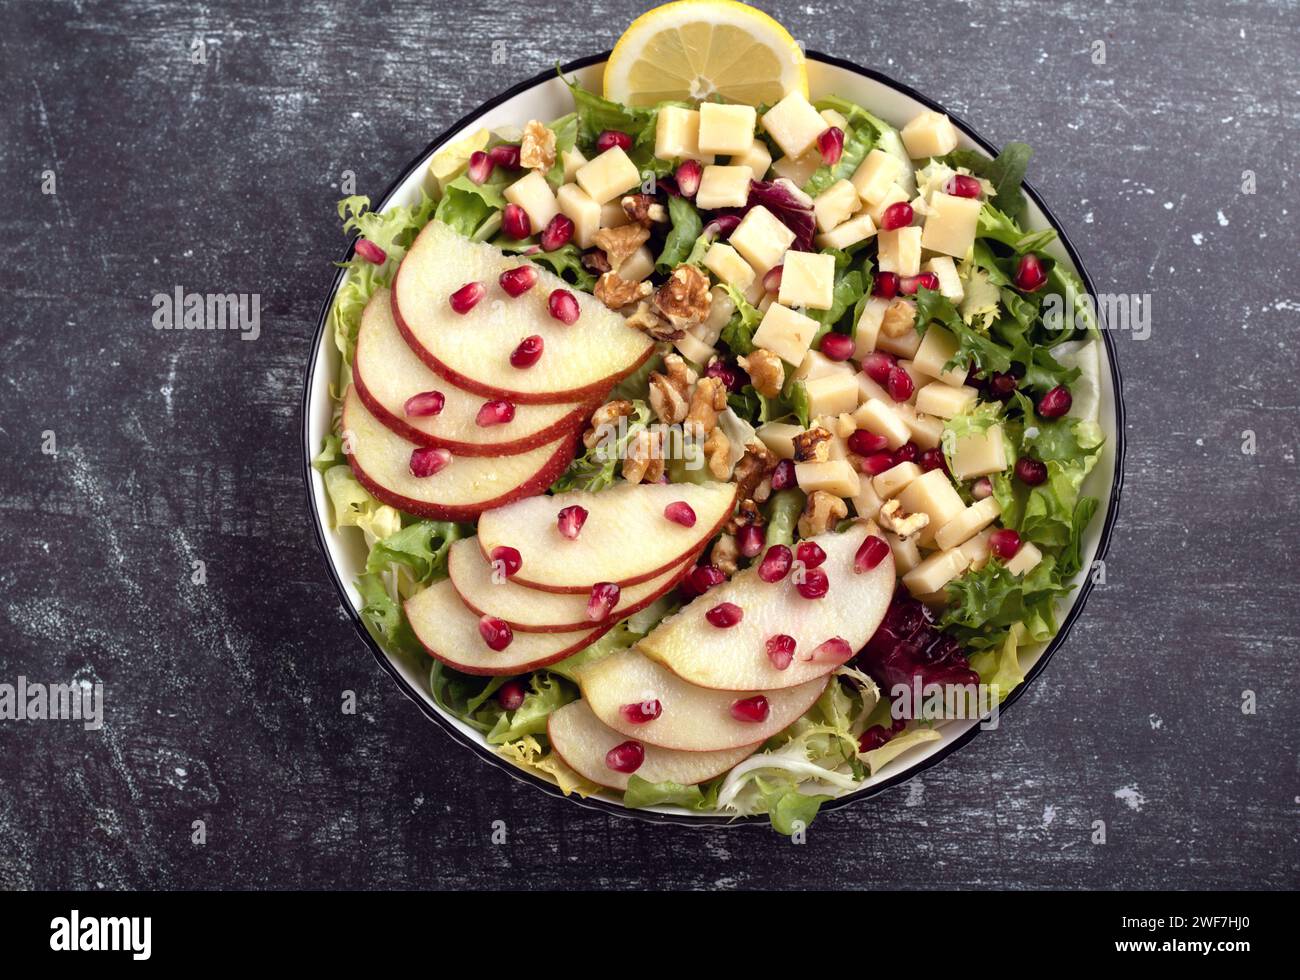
(695, 49)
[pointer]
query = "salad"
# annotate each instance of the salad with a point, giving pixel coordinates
(691, 429)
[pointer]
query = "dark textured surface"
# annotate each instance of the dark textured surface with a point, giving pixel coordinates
(223, 699)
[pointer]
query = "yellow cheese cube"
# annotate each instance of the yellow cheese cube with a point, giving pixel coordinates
(976, 549)
(1025, 559)
(945, 269)
(905, 551)
(835, 476)
(892, 195)
(834, 118)
(876, 416)
(904, 345)
(794, 124)
(785, 333)
(935, 572)
(979, 454)
(900, 250)
(638, 265)
(572, 159)
(609, 175)
(723, 187)
(798, 170)
(677, 135)
(866, 502)
(808, 279)
(864, 338)
(815, 364)
(944, 400)
(779, 438)
(534, 195)
(693, 349)
(725, 263)
(832, 394)
(938, 347)
(968, 523)
(848, 233)
(931, 134)
(757, 157)
(726, 128)
(868, 389)
(894, 480)
(950, 225)
(834, 205)
(612, 215)
(875, 175)
(584, 212)
(934, 494)
(926, 430)
(761, 239)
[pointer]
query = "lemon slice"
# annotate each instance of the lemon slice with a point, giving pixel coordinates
(695, 49)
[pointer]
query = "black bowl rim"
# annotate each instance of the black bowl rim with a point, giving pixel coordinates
(709, 820)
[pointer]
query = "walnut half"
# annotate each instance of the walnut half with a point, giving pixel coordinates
(894, 518)
(820, 513)
(616, 292)
(765, 370)
(684, 299)
(537, 149)
(812, 445)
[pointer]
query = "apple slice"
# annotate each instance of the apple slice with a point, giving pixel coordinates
(387, 372)
(449, 631)
(626, 538)
(530, 611)
(578, 362)
(582, 741)
(691, 719)
(461, 490)
(735, 658)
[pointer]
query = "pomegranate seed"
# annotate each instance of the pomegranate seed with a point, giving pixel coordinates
(1001, 385)
(1055, 403)
(642, 711)
(701, 578)
(834, 650)
(870, 553)
(424, 404)
(837, 346)
(1030, 471)
(1030, 274)
(899, 385)
(810, 553)
(725, 373)
(722, 226)
(480, 167)
(864, 443)
(877, 463)
(371, 252)
(932, 459)
(495, 413)
(749, 539)
(557, 233)
(960, 185)
(527, 353)
(815, 584)
(688, 177)
(873, 738)
(515, 222)
(725, 615)
(908, 285)
(780, 650)
(877, 366)
(772, 278)
(518, 280)
(508, 557)
(496, 633)
(601, 602)
(831, 145)
(982, 488)
(906, 453)
(783, 477)
(680, 512)
(466, 298)
(611, 138)
(753, 709)
(1004, 543)
(775, 564)
(625, 757)
(885, 285)
(897, 215)
(563, 306)
(505, 155)
(570, 521)
(510, 695)
(427, 461)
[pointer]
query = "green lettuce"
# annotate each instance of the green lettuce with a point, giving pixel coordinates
(421, 548)
(863, 134)
(599, 466)
(738, 333)
(384, 618)
(686, 229)
(1006, 172)
(640, 793)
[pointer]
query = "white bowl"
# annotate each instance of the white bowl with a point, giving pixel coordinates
(546, 97)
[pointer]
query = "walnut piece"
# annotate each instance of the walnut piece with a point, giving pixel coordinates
(746, 514)
(537, 149)
(616, 292)
(899, 318)
(753, 469)
(619, 243)
(605, 418)
(645, 319)
(820, 513)
(724, 554)
(644, 462)
(894, 518)
(717, 450)
(765, 371)
(709, 399)
(595, 261)
(670, 390)
(643, 209)
(812, 445)
(684, 299)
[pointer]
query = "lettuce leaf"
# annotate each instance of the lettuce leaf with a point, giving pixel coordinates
(599, 466)
(686, 229)
(421, 548)
(594, 115)
(864, 131)
(546, 693)
(1006, 172)
(850, 289)
(527, 753)
(987, 602)
(385, 619)
(738, 334)
(565, 262)
(640, 793)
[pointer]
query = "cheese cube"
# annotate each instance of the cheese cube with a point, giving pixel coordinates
(876, 416)
(785, 333)
(572, 159)
(938, 347)
(721, 308)
(944, 400)
(808, 279)
(864, 338)
(609, 175)
(968, 523)
(875, 175)
(638, 265)
(612, 215)
(766, 302)
(868, 389)
(757, 157)
(851, 232)
(835, 476)
(834, 205)
(534, 195)
(905, 551)
(931, 134)
(834, 118)
(892, 196)
(832, 394)
(693, 349)
(577, 204)
(815, 364)
(725, 263)
(794, 124)
(677, 135)
(950, 225)
(726, 128)
(779, 438)
(945, 269)
(1025, 559)
(976, 549)
(934, 494)
(866, 502)
(894, 480)
(926, 430)
(935, 572)
(761, 239)
(900, 250)
(798, 170)
(979, 454)
(904, 345)
(723, 187)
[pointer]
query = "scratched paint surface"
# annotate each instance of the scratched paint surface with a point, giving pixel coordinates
(222, 700)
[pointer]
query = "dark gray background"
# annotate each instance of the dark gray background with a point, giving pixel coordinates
(223, 701)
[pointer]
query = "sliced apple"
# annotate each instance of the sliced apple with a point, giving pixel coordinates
(387, 372)
(461, 490)
(736, 659)
(532, 611)
(626, 538)
(578, 362)
(582, 741)
(449, 631)
(691, 719)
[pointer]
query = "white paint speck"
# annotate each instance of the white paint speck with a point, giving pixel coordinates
(1198, 238)
(1169, 205)
(1132, 796)
(1223, 219)
(1156, 721)
(1049, 814)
